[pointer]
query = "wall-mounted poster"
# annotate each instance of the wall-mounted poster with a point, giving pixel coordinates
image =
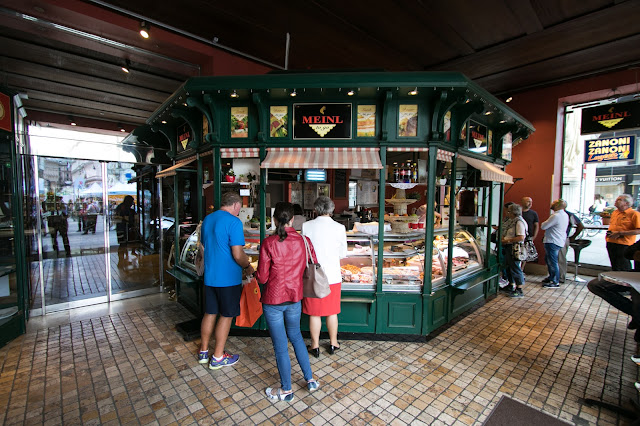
(279, 118)
(239, 122)
(205, 127)
(366, 120)
(408, 120)
(446, 128)
(184, 136)
(507, 146)
(478, 139)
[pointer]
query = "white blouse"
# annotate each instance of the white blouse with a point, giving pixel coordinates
(329, 240)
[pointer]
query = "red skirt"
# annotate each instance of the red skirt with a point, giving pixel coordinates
(330, 305)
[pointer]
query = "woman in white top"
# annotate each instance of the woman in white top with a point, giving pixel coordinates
(329, 240)
(515, 231)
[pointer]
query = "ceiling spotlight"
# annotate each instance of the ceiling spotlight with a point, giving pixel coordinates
(351, 93)
(144, 29)
(414, 92)
(234, 94)
(488, 113)
(127, 66)
(509, 99)
(71, 120)
(164, 121)
(503, 121)
(293, 94)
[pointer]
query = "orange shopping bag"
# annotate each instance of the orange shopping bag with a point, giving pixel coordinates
(250, 306)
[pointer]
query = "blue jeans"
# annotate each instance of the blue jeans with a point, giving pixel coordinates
(513, 269)
(551, 258)
(284, 322)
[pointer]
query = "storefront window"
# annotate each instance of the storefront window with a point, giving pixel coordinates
(598, 167)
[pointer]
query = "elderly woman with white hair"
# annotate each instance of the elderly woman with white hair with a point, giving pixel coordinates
(515, 231)
(329, 239)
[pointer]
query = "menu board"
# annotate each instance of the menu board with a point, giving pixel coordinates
(239, 122)
(278, 121)
(367, 192)
(408, 120)
(366, 120)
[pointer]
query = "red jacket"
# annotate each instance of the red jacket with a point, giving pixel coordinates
(280, 267)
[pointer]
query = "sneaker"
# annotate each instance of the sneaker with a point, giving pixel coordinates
(278, 395)
(546, 280)
(502, 282)
(516, 293)
(226, 361)
(551, 285)
(312, 385)
(203, 357)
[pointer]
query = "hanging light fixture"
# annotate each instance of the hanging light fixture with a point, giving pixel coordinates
(127, 66)
(144, 29)
(509, 99)
(72, 121)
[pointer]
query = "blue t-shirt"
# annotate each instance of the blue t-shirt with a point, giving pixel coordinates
(220, 231)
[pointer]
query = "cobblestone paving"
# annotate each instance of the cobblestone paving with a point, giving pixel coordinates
(549, 350)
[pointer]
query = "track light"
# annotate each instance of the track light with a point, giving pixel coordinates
(127, 66)
(144, 29)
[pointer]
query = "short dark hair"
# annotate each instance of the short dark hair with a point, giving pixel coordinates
(230, 198)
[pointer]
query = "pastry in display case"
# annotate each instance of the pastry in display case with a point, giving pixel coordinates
(466, 256)
(403, 262)
(358, 267)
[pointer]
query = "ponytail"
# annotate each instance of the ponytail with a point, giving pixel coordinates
(282, 215)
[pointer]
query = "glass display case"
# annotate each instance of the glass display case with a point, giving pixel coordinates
(403, 262)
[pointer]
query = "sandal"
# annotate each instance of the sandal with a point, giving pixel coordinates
(279, 395)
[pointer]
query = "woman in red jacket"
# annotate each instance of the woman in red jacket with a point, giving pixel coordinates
(280, 268)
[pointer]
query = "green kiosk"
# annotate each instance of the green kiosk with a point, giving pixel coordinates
(413, 161)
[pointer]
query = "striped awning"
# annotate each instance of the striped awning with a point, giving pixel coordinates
(488, 171)
(239, 152)
(322, 158)
(171, 171)
(442, 155)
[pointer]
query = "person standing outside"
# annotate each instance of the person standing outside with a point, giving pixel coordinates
(283, 259)
(576, 224)
(623, 228)
(555, 236)
(330, 241)
(224, 262)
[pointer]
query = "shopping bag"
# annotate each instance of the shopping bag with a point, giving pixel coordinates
(315, 283)
(519, 251)
(530, 248)
(250, 306)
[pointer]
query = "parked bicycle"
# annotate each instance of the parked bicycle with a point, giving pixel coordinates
(591, 219)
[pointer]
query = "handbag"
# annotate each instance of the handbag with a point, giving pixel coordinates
(519, 251)
(250, 306)
(314, 280)
(530, 249)
(199, 259)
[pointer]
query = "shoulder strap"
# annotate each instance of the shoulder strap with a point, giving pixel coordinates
(308, 250)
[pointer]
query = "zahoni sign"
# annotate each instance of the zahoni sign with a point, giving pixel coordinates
(610, 149)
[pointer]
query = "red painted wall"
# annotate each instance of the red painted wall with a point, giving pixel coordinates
(538, 160)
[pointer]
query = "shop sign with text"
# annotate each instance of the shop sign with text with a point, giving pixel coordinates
(325, 121)
(610, 149)
(478, 137)
(610, 118)
(184, 136)
(609, 179)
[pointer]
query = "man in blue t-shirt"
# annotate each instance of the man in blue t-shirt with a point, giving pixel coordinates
(224, 261)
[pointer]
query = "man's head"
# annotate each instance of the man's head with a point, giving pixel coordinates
(231, 202)
(623, 202)
(558, 204)
(526, 203)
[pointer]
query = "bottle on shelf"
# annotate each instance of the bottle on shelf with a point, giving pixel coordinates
(396, 173)
(402, 173)
(415, 174)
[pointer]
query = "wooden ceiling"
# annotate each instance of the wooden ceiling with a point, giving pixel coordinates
(66, 55)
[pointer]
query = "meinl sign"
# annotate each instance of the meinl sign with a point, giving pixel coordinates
(322, 121)
(610, 118)
(610, 149)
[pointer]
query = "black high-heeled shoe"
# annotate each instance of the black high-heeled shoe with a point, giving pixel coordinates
(332, 349)
(314, 351)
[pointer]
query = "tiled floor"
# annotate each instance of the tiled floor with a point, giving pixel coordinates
(125, 364)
